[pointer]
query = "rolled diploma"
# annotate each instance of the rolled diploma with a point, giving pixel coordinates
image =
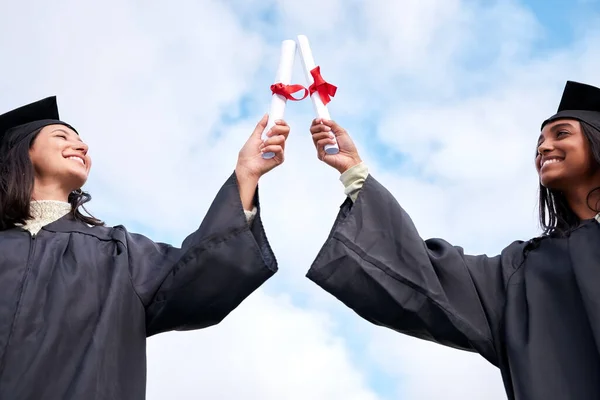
(321, 110)
(283, 75)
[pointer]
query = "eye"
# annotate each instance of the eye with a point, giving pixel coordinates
(62, 136)
(561, 133)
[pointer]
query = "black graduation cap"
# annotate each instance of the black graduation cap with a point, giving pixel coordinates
(18, 123)
(579, 101)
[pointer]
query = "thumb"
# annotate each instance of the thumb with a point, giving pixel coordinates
(260, 127)
(335, 128)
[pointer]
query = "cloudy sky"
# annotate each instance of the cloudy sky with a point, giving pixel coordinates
(443, 97)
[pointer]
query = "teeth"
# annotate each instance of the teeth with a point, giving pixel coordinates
(552, 160)
(76, 159)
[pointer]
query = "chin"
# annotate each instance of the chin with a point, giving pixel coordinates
(553, 182)
(76, 181)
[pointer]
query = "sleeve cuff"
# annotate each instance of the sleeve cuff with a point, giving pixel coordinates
(353, 180)
(250, 215)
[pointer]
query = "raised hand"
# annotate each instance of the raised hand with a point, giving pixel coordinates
(323, 132)
(251, 166)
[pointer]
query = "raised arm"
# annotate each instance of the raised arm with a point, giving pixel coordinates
(375, 262)
(220, 264)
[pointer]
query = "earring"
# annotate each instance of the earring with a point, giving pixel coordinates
(78, 192)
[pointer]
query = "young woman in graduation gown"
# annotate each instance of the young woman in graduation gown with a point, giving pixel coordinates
(533, 310)
(78, 299)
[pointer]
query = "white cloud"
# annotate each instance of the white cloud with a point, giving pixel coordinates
(448, 84)
(268, 349)
(429, 371)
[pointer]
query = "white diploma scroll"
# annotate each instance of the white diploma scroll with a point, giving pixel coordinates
(284, 75)
(308, 63)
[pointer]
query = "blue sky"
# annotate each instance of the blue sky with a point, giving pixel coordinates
(560, 20)
(443, 97)
(558, 23)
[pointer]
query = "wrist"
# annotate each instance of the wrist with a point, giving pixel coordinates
(245, 177)
(351, 164)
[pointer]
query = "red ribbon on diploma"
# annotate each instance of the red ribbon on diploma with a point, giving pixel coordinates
(287, 90)
(325, 89)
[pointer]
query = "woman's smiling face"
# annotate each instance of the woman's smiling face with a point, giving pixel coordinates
(57, 153)
(563, 155)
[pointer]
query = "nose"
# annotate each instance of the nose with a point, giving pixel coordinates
(545, 147)
(80, 146)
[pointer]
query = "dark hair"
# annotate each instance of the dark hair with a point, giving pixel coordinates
(16, 186)
(556, 217)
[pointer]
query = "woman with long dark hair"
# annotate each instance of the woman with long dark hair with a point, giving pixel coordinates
(78, 299)
(533, 311)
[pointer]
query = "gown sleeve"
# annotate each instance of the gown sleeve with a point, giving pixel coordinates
(216, 268)
(375, 262)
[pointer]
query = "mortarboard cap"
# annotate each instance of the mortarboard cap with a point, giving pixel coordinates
(18, 123)
(579, 101)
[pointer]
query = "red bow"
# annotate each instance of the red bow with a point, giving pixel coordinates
(326, 90)
(287, 90)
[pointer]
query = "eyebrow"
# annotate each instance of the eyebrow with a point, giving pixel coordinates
(554, 129)
(67, 133)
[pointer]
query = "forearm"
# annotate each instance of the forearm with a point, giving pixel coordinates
(207, 288)
(376, 263)
(247, 188)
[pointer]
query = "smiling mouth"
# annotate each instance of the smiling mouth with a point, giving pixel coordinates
(78, 159)
(550, 161)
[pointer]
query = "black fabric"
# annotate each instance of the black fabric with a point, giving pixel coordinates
(77, 302)
(20, 122)
(579, 101)
(533, 311)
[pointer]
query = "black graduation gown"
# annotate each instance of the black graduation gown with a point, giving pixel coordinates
(77, 303)
(533, 310)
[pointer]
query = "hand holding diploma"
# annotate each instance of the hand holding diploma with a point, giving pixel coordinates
(325, 133)
(251, 165)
